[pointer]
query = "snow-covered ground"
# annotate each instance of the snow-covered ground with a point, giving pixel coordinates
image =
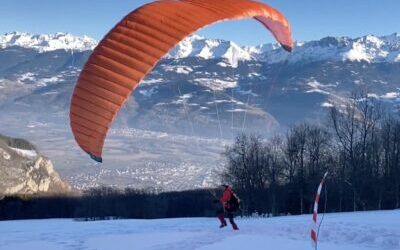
(346, 231)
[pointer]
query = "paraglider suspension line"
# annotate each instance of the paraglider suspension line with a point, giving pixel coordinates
(186, 111)
(273, 82)
(276, 76)
(219, 121)
(245, 113)
(72, 59)
(233, 108)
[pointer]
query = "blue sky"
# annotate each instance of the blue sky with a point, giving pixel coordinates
(310, 19)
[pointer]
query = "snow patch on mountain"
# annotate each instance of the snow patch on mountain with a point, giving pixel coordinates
(183, 99)
(316, 87)
(44, 43)
(5, 154)
(357, 53)
(327, 105)
(391, 97)
(215, 84)
(178, 69)
(30, 154)
(149, 92)
(29, 76)
(236, 110)
(151, 81)
(246, 92)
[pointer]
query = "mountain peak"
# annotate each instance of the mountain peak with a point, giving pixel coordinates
(197, 46)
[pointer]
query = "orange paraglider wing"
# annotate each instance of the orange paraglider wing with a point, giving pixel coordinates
(135, 45)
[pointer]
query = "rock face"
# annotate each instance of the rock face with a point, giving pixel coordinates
(24, 171)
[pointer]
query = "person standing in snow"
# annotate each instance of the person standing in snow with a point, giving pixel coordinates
(230, 204)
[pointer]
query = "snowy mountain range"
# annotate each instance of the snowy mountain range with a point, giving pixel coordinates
(205, 91)
(369, 48)
(45, 43)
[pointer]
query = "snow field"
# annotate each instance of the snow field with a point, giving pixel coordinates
(346, 231)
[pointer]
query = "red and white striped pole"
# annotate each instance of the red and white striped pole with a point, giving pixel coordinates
(314, 229)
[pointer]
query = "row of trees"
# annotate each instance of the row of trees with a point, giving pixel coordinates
(359, 144)
(106, 202)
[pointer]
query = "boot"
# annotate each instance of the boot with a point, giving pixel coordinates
(222, 220)
(234, 226)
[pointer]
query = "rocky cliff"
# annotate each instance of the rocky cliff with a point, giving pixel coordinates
(24, 171)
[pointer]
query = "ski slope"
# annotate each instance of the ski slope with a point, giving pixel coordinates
(346, 231)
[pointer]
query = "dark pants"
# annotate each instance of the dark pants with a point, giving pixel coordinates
(227, 213)
(230, 215)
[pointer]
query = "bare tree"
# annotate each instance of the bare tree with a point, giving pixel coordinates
(246, 168)
(275, 169)
(296, 152)
(355, 127)
(390, 135)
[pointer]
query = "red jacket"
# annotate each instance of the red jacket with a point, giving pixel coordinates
(226, 196)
